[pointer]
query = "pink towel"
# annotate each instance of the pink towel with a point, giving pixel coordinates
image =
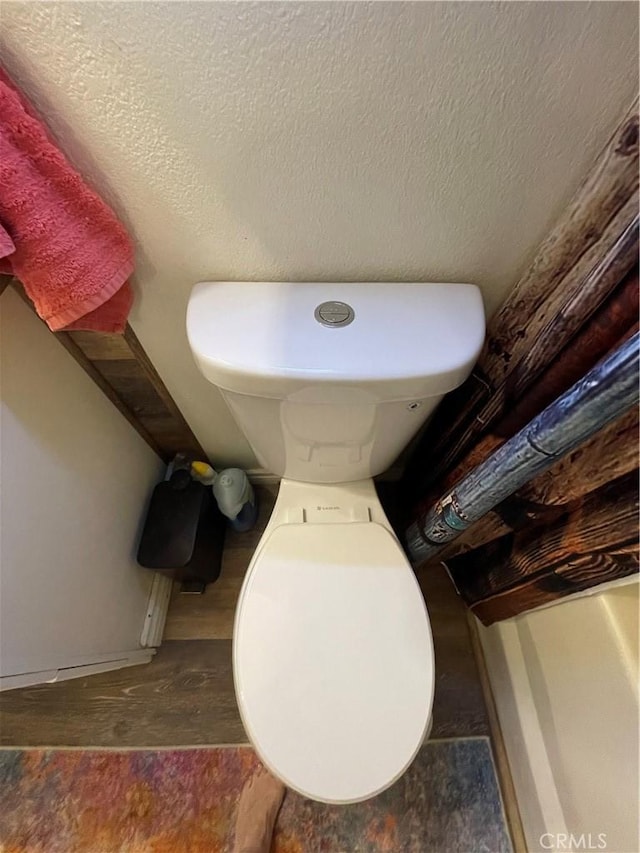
(57, 236)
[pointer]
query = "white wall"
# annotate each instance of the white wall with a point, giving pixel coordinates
(293, 141)
(75, 480)
(566, 683)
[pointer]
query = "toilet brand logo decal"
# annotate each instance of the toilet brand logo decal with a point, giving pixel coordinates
(328, 507)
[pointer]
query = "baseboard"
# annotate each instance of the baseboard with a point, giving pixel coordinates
(157, 607)
(51, 676)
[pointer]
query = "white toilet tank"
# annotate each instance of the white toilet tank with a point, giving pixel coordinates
(329, 381)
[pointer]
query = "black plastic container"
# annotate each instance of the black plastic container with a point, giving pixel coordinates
(183, 535)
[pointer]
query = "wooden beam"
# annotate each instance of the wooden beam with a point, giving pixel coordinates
(610, 454)
(613, 322)
(120, 367)
(591, 248)
(5, 281)
(590, 541)
(488, 528)
(602, 333)
(581, 573)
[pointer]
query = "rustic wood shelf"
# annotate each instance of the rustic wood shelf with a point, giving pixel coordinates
(122, 370)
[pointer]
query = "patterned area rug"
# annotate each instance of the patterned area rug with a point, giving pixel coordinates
(183, 801)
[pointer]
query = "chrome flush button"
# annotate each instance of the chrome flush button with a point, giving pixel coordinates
(334, 314)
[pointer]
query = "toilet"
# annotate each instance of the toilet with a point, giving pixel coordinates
(332, 651)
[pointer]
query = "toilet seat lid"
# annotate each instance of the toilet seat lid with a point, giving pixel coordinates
(333, 659)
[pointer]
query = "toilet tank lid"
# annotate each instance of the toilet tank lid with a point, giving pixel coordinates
(265, 337)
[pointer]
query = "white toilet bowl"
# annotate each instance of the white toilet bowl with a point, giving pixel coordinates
(332, 653)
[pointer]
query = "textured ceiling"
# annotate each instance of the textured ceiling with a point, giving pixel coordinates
(293, 141)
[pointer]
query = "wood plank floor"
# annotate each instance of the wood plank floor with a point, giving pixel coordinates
(210, 616)
(185, 695)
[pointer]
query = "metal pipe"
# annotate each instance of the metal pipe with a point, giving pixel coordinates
(602, 395)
